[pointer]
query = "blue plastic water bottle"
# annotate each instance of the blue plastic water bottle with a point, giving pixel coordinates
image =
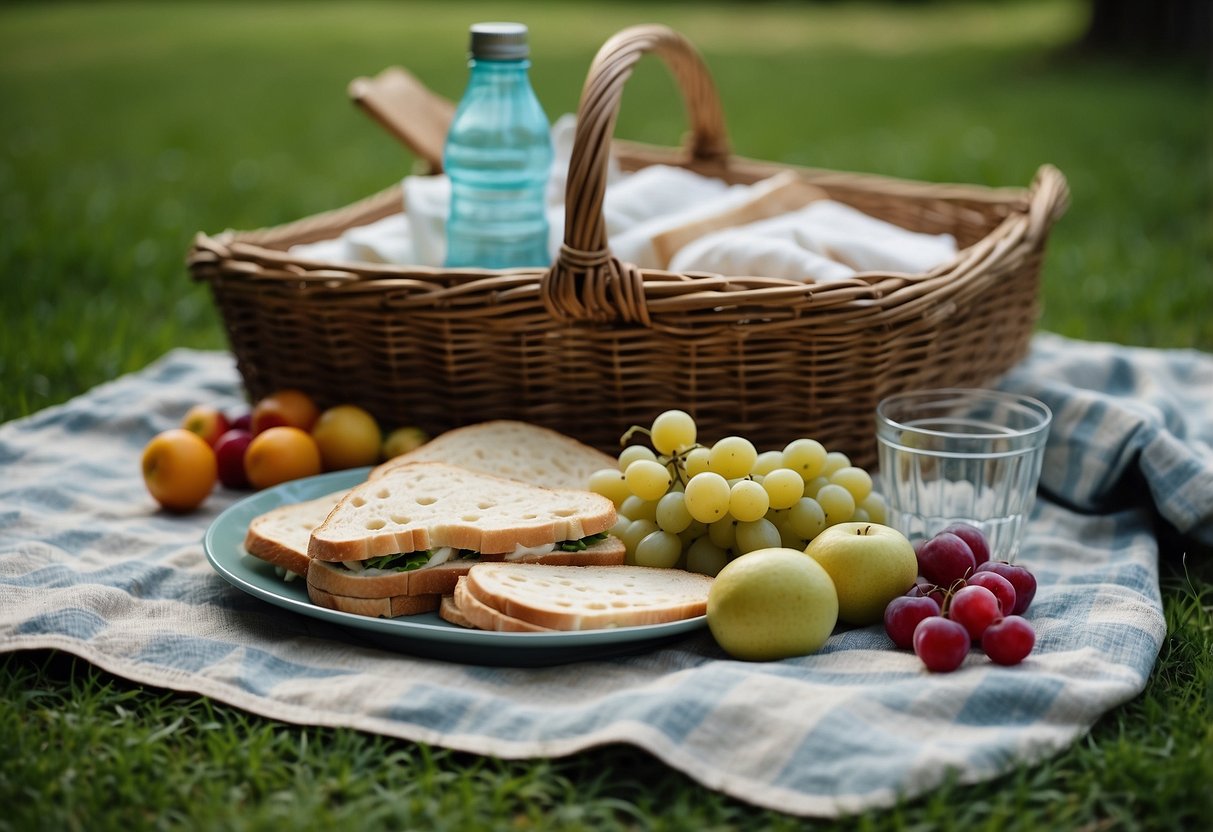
(498, 155)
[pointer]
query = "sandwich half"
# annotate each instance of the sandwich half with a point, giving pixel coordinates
(414, 531)
(281, 535)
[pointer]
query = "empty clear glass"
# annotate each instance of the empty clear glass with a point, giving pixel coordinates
(967, 455)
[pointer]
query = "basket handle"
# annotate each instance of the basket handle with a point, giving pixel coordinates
(586, 282)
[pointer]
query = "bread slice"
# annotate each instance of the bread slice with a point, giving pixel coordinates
(336, 578)
(280, 536)
(448, 610)
(483, 617)
(390, 607)
(427, 505)
(589, 597)
(514, 450)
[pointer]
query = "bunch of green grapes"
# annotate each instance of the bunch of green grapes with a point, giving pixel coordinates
(689, 505)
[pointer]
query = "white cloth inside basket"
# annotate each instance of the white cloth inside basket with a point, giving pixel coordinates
(821, 242)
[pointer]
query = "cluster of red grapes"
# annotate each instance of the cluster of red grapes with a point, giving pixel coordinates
(963, 598)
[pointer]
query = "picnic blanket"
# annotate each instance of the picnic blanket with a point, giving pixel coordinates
(89, 566)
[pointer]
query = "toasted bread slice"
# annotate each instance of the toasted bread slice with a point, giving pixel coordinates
(280, 536)
(483, 617)
(589, 597)
(514, 450)
(428, 505)
(390, 607)
(335, 578)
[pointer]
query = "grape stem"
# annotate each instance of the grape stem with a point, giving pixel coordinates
(632, 431)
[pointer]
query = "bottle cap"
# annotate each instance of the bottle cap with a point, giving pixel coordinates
(499, 41)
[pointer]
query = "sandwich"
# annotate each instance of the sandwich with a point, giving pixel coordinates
(504, 448)
(396, 544)
(533, 597)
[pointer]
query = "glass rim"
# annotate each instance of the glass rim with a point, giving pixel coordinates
(1026, 403)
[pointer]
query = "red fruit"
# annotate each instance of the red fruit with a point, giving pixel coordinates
(902, 615)
(1009, 641)
(975, 608)
(945, 559)
(229, 453)
(975, 538)
(243, 422)
(941, 644)
(1020, 578)
(1003, 589)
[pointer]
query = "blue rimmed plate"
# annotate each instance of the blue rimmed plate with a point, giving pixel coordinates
(426, 634)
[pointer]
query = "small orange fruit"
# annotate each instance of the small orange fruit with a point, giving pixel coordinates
(279, 454)
(179, 469)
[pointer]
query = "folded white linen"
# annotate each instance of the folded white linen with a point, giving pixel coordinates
(826, 240)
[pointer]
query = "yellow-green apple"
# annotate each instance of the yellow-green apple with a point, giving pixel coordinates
(870, 565)
(772, 604)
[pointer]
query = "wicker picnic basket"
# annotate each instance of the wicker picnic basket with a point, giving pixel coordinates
(593, 345)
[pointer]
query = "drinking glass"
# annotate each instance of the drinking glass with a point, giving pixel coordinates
(961, 455)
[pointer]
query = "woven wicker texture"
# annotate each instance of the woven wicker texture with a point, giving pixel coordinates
(593, 345)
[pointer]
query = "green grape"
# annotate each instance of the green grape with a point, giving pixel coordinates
(835, 461)
(632, 453)
(707, 497)
(759, 534)
(658, 549)
(855, 480)
(695, 462)
(837, 502)
(876, 508)
(732, 457)
(706, 558)
(609, 483)
(811, 487)
(723, 533)
(807, 518)
(692, 533)
(784, 486)
(638, 509)
(621, 525)
(805, 456)
(767, 462)
(860, 516)
(672, 431)
(637, 531)
(748, 501)
(647, 479)
(672, 514)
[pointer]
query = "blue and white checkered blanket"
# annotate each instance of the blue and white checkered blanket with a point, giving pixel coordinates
(89, 566)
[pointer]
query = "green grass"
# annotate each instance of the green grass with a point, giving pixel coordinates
(128, 127)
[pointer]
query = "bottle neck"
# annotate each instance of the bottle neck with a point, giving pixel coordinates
(498, 70)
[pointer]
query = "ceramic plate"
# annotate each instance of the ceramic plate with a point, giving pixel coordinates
(426, 634)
